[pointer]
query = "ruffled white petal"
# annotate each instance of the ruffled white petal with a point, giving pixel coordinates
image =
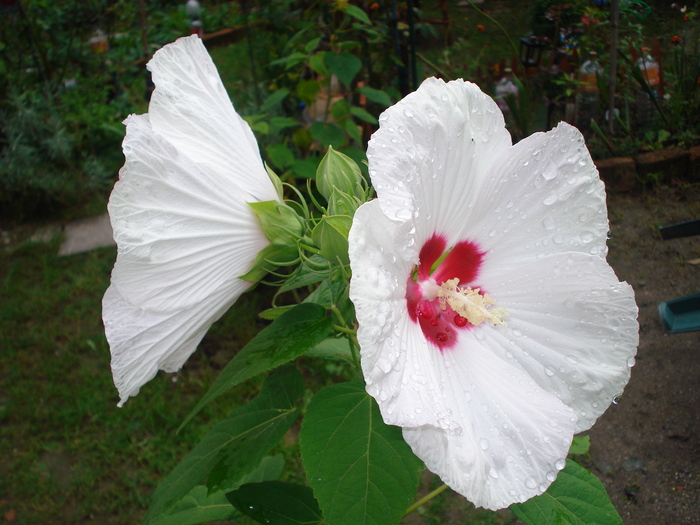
(432, 153)
(179, 212)
(502, 439)
(144, 341)
(191, 109)
(183, 232)
(545, 196)
(572, 328)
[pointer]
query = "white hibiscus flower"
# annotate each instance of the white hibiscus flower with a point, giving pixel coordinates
(184, 230)
(491, 327)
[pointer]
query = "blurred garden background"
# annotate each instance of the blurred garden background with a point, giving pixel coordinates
(306, 75)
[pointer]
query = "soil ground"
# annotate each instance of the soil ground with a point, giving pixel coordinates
(646, 449)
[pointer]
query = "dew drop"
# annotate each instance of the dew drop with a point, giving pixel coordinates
(630, 362)
(617, 398)
(484, 443)
(550, 199)
(560, 464)
(530, 483)
(461, 321)
(403, 214)
(548, 371)
(551, 475)
(493, 473)
(441, 337)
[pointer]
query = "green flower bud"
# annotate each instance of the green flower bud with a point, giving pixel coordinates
(331, 237)
(339, 171)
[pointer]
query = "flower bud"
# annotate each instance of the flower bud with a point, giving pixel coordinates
(337, 170)
(331, 237)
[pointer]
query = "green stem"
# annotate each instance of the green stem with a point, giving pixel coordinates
(352, 335)
(346, 331)
(516, 52)
(425, 499)
(440, 71)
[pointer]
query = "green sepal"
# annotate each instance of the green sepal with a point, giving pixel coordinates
(339, 171)
(276, 182)
(279, 222)
(340, 203)
(331, 237)
(269, 259)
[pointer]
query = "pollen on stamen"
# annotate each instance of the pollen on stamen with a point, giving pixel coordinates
(469, 303)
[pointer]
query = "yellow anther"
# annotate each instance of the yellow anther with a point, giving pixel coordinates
(470, 304)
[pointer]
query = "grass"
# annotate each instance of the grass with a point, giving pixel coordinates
(71, 454)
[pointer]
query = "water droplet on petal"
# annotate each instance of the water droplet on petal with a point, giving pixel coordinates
(560, 464)
(493, 473)
(484, 443)
(530, 483)
(630, 361)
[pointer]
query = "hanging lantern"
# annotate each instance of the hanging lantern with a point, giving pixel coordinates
(531, 51)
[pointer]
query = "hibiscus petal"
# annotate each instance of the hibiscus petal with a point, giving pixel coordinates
(191, 109)
(143, 342)
(433, 151)
(477, 420)
(183, 233)
(502, 439)
(545, 196)
(572, 328)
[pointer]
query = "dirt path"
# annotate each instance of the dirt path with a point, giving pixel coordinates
(646, 449)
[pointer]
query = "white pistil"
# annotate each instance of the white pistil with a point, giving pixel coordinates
(470, 304)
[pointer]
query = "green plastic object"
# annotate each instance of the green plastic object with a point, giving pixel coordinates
(681, 314)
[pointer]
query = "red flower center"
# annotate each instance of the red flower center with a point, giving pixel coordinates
(439, 322)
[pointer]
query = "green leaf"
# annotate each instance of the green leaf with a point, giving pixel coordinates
(306, 168)
(580, 445)
(290, 61)
(361, 470)
(277, 503)
(332, 349)
(577, 497)
(327, 134)
(340, 109)
(307, 90)
(280, 123)
(280, 155)
(352, 129)
(289, 336)
(274, 99)
(238, 443)
(199, 506)
(376, 95)
(357, 13)
(343, 65)
(363, 115)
